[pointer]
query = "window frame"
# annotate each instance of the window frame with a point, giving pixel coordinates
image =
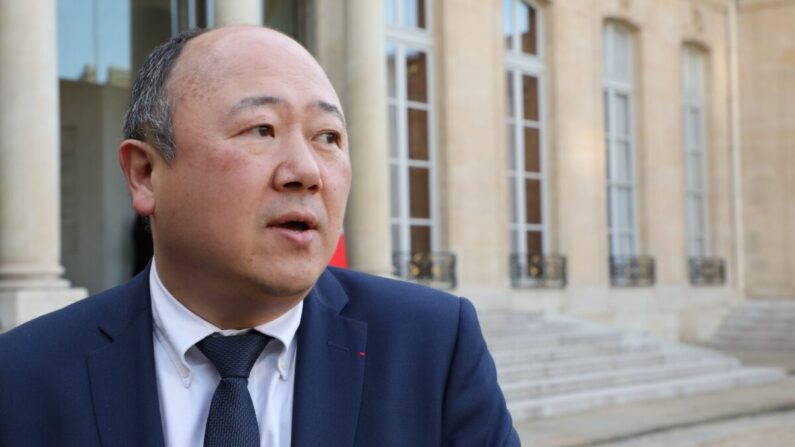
(519, 64)
(419, 39)
(698, 103)
(615, 86)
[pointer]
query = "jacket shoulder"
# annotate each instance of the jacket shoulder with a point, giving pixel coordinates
(64, 332)
(387, 293)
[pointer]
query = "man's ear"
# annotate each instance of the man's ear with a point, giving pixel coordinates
(137, 160)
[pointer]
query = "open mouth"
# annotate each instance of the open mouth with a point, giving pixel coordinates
(295, 221)
(294, 225)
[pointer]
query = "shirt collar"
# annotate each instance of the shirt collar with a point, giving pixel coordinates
(178, 329)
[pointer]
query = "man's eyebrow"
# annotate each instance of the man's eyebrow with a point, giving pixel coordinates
(332, 109)
(253, 101)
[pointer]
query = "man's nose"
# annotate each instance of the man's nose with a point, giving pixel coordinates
(298, 170)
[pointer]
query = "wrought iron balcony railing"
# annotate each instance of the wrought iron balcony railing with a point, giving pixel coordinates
(707, 271)
(537, 270)
(631, 271)
(435, 269)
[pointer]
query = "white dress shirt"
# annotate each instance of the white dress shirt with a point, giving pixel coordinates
(186, 380)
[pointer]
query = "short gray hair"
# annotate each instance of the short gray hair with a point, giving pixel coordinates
(148, 116)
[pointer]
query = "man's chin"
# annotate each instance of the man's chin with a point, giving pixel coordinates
(289, 286)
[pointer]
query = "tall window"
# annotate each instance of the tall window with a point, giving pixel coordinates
(619, 124)
(409, 54)
(526, 159)
(694, 114)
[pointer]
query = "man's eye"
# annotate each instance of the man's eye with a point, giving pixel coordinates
(330, 138)
(265, 130)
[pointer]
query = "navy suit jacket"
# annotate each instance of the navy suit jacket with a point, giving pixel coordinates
(380, 363)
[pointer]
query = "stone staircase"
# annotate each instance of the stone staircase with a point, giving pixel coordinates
(552, 364)
(758, 325)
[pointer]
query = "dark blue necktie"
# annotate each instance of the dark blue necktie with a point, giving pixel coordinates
(232, 420)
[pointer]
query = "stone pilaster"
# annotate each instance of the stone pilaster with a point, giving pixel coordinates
(238, 12)
(367, 224)
(30, 240)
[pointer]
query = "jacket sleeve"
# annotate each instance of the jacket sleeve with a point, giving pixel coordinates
(475, 413)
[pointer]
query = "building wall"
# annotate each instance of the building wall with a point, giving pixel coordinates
(471, 144)
(471, 102)
(767, 94)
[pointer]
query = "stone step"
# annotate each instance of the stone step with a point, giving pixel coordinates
(519, 341)
(583, 365)
(549, 353)
(564, 403)
(615, 378)
(767, 325)
(765, 345)
(547, 328)
(738, 337)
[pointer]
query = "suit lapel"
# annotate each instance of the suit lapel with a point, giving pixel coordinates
(330, 369)
(122, 374)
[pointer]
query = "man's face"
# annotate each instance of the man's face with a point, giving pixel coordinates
(256, 194)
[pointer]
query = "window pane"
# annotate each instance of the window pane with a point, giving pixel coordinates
(606, 105)
(419, 192)
(623, 158)
(515, 248)
(94, 40)
(530, 96)
(416, 74)
(532, 150)
(528, 28)
(609, 162)
(389, 12)
(695, 214)
(533, 201)
(420, 239)
(626, 245)
(418, 134)
(534, 243)
(512, 197)
(622, 115)
(696, 136)
(507, 23)
(697, 248)
(391, 67)
(511, 148)
(393, 131)
(624, 213)
(414, 12)
(396, 241)
(693, 170)
(610, 211)
(394, 190)
(623, 56)
(509, 95)
(613, 241)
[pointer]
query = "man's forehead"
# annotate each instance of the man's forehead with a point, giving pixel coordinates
(253, 102)
(211, 58)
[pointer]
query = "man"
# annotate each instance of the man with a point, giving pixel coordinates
(235, 149)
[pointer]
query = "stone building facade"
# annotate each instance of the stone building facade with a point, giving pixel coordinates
(627, 161)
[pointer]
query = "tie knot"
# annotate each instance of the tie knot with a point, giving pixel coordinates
(234, 355)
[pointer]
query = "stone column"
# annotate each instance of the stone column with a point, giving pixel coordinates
(367, 227)
(238, 12)
(30, 240)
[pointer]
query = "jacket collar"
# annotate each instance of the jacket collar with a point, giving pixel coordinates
(122, 374)
(330, 369)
